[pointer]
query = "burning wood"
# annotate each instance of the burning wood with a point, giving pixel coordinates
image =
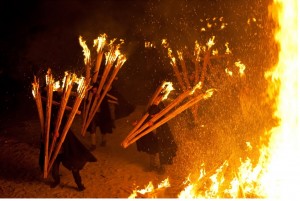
(150, 191)
(201, 58)
(176, 70)
(100, 43)
(49, 82)
(113, 59)
(69, 80)
(81, 90)
(158, 119)
(87, 59)
(164, 87)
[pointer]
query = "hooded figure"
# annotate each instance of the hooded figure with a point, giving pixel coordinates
(160, 141)
(102, 119)
(73, 154)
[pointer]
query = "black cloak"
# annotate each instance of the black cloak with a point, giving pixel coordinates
(161, 142)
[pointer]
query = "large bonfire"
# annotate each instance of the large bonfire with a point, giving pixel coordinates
(275, 173)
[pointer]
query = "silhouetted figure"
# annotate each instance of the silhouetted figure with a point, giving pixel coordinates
(73, 154)
(102, 120)
(158, 142)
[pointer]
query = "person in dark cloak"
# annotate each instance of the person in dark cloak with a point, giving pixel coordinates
(123, 108)
(73, 155)
(102, 120)
(160, 143)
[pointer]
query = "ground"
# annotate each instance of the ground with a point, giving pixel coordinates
(116, 174)
(118, 171)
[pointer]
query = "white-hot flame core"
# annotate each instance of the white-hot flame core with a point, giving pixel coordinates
(197, 86)
(113, 53)
(100, 42)
(80, 83)
(228, 51)
(197, 51)
(86, 51)
(210, 42)
(228, 72)
(167, 88)
(241, 67)
(121, 60)
(56, 86)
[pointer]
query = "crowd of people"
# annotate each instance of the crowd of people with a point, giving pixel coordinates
(73, 154)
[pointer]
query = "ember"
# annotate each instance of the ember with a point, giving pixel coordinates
(277, 170)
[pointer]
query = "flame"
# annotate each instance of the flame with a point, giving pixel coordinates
(228, 72)
(277, 170)
(180, 55)
(35, 88)
(241, 67)
(173, 59)
(164, 184)
(209, 93)
(167, 88)
(148, 44)
(197, 51)
(283, 168)
(149, 190)
(86, 51)
(100, 42)
(56, 86)
(228, 51)
(64, 79)
(210, 42)
(80, 83)
(121, 60)
(114, 52)
(209, 25)
(197, 86)
(215, 52)
(164, 43)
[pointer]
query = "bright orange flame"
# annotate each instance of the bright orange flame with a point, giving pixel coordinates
(197, 51)
(281, 177)
(241, 67)
(100, 42)
(114, 52)
(277, 172)
(150, 190)
(167, 88)
(86, 51)
(210, 42)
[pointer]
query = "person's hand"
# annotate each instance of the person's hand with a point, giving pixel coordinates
(150, 123)
(135, 123)
(56, 134)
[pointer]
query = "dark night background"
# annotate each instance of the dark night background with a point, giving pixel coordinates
(40, 34)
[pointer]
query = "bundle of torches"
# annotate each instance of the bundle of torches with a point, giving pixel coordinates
(45, 119)
(188, 98)
(113, 59)
(202, 55)
(191, 96)
(169, 112)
